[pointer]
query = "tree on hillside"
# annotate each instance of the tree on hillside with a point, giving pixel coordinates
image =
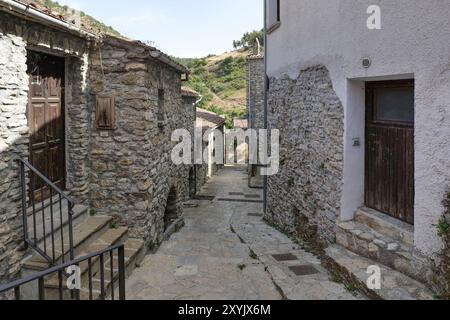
(248, 39)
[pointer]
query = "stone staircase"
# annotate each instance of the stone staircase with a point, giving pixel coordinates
(90, 234)
(374, 239)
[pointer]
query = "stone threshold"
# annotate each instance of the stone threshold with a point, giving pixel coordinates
(353, 269)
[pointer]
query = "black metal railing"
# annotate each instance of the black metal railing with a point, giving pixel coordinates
(48, 212)
(96, 268)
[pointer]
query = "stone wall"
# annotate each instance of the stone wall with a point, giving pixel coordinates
(304, 198)
(16, 36)
(132, 172)
(13, 142)
(189, 110)
(77, 128)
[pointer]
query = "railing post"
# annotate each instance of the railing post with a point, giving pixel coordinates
(121, 257)
(71, 249)
(24, 203)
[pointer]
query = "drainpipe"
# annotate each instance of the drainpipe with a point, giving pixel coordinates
(266, 50)
(12, 5)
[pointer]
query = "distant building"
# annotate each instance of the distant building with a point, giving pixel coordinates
(210, 122)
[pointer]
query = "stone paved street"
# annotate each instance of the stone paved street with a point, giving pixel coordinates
(225, 252)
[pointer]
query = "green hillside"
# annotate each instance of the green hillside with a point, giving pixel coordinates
(221, 80)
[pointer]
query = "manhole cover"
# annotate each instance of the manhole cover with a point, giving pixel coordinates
(285, 257)
(304, 270)
(252, 196)
(236, 194)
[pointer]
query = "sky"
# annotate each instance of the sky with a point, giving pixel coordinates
(183, 28)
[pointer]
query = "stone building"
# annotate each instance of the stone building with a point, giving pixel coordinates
(207, 124)
(255, 103)
(94, 114)
(364, 118)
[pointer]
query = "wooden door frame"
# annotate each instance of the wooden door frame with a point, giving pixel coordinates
(370, 108)
(63, 114)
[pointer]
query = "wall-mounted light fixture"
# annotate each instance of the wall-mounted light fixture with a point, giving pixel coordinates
(366, 62)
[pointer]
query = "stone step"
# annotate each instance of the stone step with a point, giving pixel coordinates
(386, 225)
(134, 254)
(108, 239)
(366, 242)
(83, 235)
(353, 270)
(80, 214)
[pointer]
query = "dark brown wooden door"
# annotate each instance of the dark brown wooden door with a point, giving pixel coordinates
(46, 119)
(390, 148)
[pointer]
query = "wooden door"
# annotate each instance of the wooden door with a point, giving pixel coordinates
(46, 120)
(389, 186)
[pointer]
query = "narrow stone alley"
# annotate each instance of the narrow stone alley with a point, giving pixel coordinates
(227, 252)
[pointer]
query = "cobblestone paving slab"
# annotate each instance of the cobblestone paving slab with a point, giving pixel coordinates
(223, 253)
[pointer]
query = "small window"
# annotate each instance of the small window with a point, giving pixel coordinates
(394, 105)
(273, 14)
(105, 113)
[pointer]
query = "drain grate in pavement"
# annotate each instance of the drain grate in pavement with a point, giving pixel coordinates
(255, 214)
(252, 196)
(240, 200)
(236, 194)
(204, 197)
(306, 270)
(285, 257)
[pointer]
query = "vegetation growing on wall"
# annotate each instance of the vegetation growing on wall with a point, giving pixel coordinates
(88, 21)
(443, 229)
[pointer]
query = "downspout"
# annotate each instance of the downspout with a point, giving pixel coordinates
(266, 84)
(13, 5)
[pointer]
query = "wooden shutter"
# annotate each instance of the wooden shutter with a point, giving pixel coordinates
(105, 113)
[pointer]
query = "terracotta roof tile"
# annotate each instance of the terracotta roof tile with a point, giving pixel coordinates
(240, 123)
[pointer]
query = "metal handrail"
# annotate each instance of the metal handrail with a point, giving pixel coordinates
(15, 285)
(54, 190)
(46, 180)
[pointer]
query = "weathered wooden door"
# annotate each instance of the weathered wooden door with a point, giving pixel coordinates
(389, 186)
(46, 119)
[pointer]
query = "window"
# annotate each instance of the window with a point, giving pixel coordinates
(392, 102)
(105, 113)
(273, 14)
(394, 105)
